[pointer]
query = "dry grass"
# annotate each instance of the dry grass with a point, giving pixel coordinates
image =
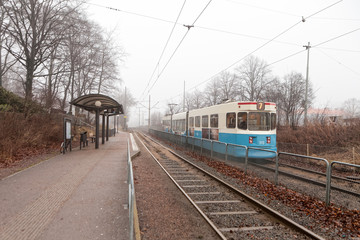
(22, 136)
(333, 142)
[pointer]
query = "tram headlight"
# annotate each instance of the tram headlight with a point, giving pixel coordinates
(251, 140)
(268, 140)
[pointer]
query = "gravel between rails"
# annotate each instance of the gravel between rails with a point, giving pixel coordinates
(163, 211)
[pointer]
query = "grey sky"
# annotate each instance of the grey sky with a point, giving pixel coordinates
(225, 33)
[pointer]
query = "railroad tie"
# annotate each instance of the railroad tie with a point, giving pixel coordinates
(233, 213)
(213, 202)
(195, 180)
(246, 229)
(204, 193)
(199, 186)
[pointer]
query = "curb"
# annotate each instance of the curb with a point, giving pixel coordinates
(136, 217)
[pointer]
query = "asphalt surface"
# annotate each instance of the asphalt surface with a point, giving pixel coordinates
(80, 195)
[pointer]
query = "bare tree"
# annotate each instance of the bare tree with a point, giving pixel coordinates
(228, 85)
(108, 72)
(5, 40)
(194, 100)
(212, 92)
(292, 97)
(254, 76)
(352, 108)
(272, 94)
(33, 26)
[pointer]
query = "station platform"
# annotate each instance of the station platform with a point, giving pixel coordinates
(82, 194)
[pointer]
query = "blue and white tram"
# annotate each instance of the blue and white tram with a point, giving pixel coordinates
(178, 125)
(251, 124)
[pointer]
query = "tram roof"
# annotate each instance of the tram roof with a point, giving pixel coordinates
(107, 104)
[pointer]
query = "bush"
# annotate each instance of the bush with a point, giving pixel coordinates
(10, 102)
(336, 135)
(22, 136)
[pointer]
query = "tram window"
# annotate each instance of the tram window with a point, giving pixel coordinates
(230, 120)
(242, 120)
(197, 121)
(259, 121)
(182, 125)
(214, 120)
(273, 121)
(191, 121)
(205, 121)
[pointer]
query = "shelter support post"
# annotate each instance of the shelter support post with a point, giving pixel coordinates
(103, 130)
(114, 125)
(107, 128)
(97, 128)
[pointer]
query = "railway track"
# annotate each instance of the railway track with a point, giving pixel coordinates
(229, 211)
(296, 172)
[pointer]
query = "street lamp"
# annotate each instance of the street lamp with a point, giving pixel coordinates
(98, 103)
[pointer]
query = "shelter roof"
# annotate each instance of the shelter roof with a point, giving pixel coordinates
(108, 104)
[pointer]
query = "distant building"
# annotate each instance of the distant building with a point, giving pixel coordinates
(327, 115)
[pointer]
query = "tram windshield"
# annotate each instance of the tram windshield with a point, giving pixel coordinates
(259, 121)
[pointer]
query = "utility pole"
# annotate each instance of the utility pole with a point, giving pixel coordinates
(307, 83)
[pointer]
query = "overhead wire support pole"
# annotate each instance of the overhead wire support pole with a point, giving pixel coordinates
(306, 84)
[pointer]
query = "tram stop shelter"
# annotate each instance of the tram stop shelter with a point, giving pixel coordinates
(100, 105)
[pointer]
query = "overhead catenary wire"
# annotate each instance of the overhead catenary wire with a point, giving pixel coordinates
(131, 13)
(282, 59)
(196, 26)
(340, 63)
(315, 46)
(271, 40)
(334, 38)
(181, 41)
(166, 44)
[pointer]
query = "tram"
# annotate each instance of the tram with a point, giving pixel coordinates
(250, 124)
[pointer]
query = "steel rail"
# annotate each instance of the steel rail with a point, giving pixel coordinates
(212, 225)
(285, 220)
(321, 184)
(315, 172)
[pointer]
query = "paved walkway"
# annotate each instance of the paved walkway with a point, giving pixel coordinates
(80, 195)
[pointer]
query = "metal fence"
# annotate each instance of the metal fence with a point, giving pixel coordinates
(205, 147)
(347, 154)
(131, 193)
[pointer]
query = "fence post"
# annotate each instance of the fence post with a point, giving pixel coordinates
(246, 158)
(307, 150)
(212, 147)
(201, 150)
(226, 152)
(277, 169)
